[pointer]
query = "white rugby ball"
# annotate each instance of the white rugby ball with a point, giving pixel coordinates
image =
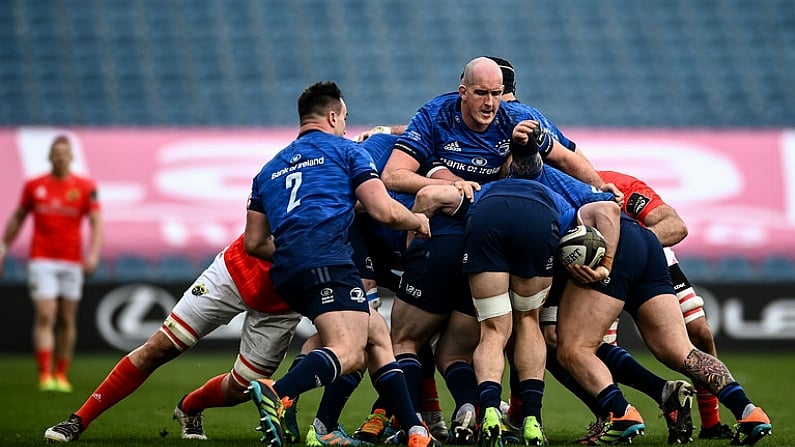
(583, 245)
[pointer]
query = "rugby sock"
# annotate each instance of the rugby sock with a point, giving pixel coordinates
(462, 383)
(734, 398)
(297, 360)
(628, 371)
(490, 393)
(707, 407)
(390, 382)
(320, 367)
(429, 394)
(61, 368)
(123, 379)
(613, 401)
(531, 392)
(567, 380)
(335, 396)
(412, 371)
(209, 395)
(44, 363)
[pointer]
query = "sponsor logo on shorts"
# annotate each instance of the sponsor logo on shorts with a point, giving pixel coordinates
(413, 291)
(326, 296)
(199, 290)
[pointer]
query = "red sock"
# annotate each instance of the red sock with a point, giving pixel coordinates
(707, 407)
(61, 367)
(120, 383)
(208, 395)
(515, 411)
(430, 395)
(44, 363)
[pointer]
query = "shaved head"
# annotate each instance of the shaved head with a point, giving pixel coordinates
(482, 70)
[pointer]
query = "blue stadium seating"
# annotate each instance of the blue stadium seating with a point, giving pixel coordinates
(736, 269)
(176, 268)
(14, 270)
(777, 268)
(131, 268)
(697, 269)
(625, 63)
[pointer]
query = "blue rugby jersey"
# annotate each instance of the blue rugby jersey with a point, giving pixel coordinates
(308, 193)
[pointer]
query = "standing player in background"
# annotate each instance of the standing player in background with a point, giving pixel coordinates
(232, 284)
(58, 201)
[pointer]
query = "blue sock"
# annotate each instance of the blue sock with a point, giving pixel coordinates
(390, 383)
(613, 401)
(567, 380)
(462, 383)
(490, 394)
(734, 398)
(319, 368)
(298, 359)
(628, 371)
(335, 396)
(531, 392)
(412, 373)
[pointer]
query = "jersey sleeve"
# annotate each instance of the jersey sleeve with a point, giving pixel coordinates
(417, 140)
(362, 166)
(639, 198)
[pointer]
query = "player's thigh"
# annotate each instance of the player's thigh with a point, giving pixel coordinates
(412, 327)
(211, 301)
(662, 327)
(584, 315)
(265, 338)
(458, 341)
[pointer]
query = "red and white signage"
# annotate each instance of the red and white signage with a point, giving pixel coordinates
(185, 190)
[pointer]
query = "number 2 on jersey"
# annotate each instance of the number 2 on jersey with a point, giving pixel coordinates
(293, 182)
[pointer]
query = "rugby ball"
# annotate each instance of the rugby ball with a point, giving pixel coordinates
(583, 245)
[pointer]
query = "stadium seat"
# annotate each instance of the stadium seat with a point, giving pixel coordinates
(14, 270)
(130, 267)
(735, 269)
(175, 269)
(777, 269)
(697, 269)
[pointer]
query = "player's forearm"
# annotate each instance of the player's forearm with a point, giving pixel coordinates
(403, 180)
(669, 234)
(12, 229)
(97, 237)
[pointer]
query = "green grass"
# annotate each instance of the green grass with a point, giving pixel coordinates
(139, 420)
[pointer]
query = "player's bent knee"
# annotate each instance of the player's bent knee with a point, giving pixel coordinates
(528, 303)
(494, 306)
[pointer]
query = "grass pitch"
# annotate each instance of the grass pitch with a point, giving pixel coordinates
(144, 418)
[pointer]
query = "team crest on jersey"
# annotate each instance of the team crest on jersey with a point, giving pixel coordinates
(503, 147)
(199, 290)
(326, 296)
(296, 158)
(479, 161)
(72, 194)
(357, 294)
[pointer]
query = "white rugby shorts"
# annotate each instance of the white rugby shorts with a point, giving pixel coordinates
(50, 279)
